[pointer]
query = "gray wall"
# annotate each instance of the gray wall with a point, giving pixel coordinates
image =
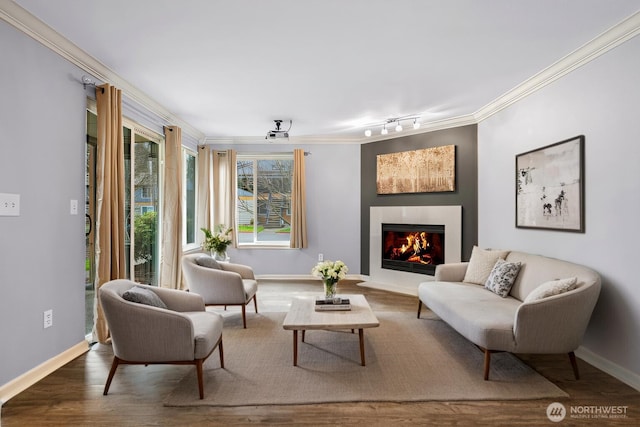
(465, 140)
(42, 134)
(600, 101)
(333, 211)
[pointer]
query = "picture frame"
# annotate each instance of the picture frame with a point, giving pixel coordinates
(550, 187)
(428, 170)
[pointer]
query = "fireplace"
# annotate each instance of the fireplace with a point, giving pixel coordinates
(415, 248)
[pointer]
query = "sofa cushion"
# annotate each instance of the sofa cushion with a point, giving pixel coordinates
(553, 287)
(481, 263)
(142, 295)
(538, 269)
(480, 316)
(502, 277)
(207, 261)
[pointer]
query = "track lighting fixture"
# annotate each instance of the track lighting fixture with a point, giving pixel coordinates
(398, 127)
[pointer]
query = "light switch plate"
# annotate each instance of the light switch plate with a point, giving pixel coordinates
(9, 204)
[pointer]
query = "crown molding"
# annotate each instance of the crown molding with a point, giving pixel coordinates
(33, 27)
(21, 19)
(613, 37)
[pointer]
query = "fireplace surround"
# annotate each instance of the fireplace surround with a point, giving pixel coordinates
(405, 281)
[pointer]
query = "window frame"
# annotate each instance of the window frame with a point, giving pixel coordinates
(256, 157)
(186, 246)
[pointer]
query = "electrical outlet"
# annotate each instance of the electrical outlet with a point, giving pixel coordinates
(320, 257)
(48, 318)
(9, 204)
(73, 207)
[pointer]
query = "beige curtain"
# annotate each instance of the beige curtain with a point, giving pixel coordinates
(298, 202)
(204, 191)
(171, 248)
(110, 259)
(224, 189)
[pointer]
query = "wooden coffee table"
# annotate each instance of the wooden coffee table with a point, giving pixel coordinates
(302, 317)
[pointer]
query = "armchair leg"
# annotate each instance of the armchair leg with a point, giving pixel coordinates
(574, 364)
(255, 303)
(112, 372)
(244, 316)
(487, 364)
(200, 379)
(419, 307)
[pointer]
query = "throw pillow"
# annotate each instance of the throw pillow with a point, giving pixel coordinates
(554, 287)
(207, 261)
(143, 296)
(502, 277)
(480, 265)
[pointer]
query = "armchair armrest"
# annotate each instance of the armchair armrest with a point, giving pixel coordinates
(151, 334)
(555, 324)
(180, 300)
(451, 272)
(244, 271)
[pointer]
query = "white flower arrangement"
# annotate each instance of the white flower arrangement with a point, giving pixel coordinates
(330, 270)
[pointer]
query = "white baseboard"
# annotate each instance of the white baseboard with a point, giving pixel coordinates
(26, 380)
(626, 376)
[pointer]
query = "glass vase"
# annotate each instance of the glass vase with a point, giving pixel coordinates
(219, 255)
(330, 288)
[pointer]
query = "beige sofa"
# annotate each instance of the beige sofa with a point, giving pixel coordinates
(515, 323)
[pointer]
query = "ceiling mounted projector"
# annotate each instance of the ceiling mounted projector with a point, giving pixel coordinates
(278, 133)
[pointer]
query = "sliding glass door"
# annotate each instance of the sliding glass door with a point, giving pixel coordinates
(142, 160)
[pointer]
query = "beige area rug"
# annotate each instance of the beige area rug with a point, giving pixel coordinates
(407, 359)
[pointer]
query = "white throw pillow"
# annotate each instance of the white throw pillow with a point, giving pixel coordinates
(480, 265)
(554, 287)
(502, 277)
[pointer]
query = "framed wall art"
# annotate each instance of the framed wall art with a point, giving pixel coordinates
(419, 171)
(550, 187)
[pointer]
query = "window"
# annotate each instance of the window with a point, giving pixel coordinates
(189, 198)
(263, 204)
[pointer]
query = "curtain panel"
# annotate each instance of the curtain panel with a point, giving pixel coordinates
(298, 202)
(204, 198)
(110, 219)
(224, 190)
(171, 247)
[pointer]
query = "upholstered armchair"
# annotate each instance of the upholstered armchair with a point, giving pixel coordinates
(164, 326)
(221, 283)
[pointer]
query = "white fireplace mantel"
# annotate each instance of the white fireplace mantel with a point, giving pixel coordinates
(402, 281)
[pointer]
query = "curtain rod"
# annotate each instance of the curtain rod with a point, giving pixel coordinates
(223, 153)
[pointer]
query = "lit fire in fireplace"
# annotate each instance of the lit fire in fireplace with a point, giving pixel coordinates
(416, 249)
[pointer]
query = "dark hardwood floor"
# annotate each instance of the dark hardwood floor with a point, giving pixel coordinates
(73, 394)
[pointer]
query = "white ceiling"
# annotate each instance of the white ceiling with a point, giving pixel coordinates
(229, 68)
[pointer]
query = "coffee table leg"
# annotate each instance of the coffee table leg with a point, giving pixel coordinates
(361, 334)
(295, 347)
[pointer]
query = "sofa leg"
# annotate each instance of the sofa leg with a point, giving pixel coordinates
(221, 353)
(574, 364)
(487, 364)
(419, 308)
